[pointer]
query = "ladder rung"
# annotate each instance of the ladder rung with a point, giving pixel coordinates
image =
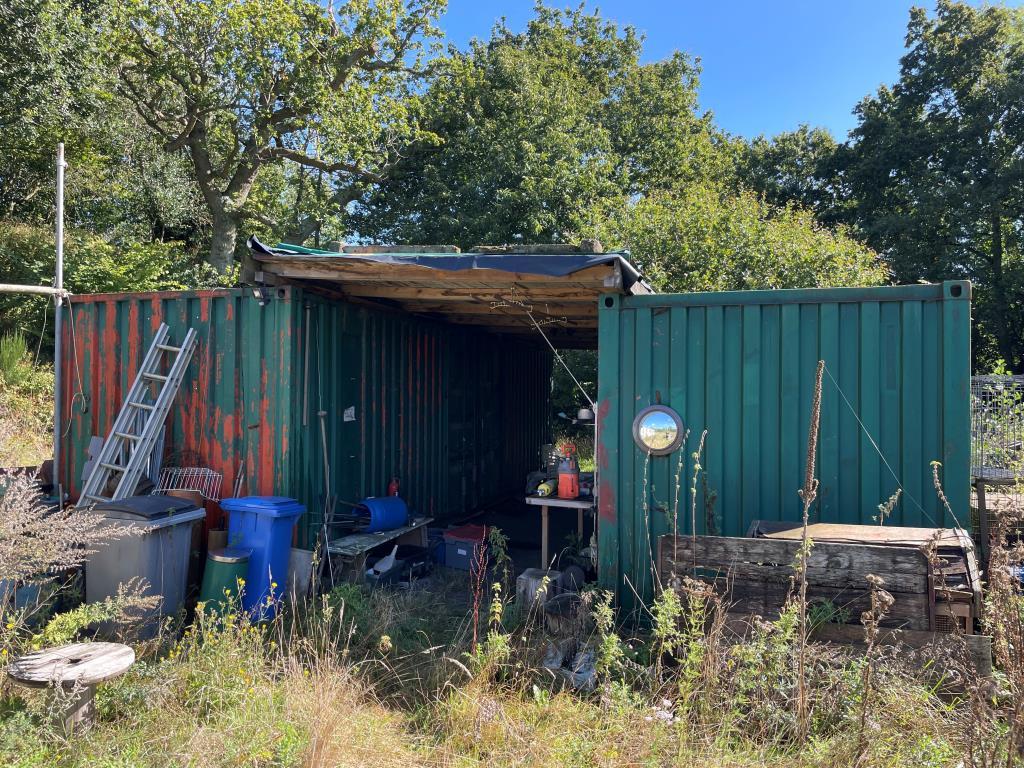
(115, 467)
(154, 376)
(95, 497)
(168, 348)
(143, 406)
(127, 436)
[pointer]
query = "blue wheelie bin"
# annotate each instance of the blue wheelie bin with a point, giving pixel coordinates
(263, 524)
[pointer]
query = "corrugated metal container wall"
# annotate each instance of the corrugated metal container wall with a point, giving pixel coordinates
(742, 366)
(457, 414)
(233, 402)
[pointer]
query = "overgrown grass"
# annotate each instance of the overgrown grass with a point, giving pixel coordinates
(26, 405)
(392, 678)
(359, 678)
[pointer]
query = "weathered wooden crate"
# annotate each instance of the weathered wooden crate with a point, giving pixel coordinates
(754, 575)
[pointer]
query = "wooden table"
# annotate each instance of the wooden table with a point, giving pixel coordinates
(545, 503)
(77, 669)
(352, 549)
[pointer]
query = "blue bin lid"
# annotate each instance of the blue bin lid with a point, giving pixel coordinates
(271, 506)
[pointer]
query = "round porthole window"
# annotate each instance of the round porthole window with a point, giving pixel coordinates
(658, 429)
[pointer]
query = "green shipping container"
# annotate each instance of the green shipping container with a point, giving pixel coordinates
(741, 365)
(457, 413)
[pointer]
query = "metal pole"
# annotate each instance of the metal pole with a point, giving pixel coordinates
(58, 323)
(44, 290)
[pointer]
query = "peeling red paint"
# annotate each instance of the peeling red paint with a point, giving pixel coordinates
(606, 495)
(242, 377)
(265, 436)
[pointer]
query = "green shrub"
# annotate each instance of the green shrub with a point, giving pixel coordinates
(14, 365)
(92, 264)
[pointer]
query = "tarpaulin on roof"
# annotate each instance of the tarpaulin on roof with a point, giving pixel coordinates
(553, 265)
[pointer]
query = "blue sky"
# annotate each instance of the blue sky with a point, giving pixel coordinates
(768, 65)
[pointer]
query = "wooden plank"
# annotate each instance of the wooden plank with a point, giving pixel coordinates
(767, 599)
(725, 551)
(944, 645)
(973, 574)
(851, 578)
(540, 309)
(554, 501)
(346, 268)
(497, 319)
(415, 292)
(979, 647)
(360, 543)
(841, 533)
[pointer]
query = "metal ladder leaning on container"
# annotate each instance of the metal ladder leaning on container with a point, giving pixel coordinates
(133, 448)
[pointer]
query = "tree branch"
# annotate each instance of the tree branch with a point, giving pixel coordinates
(353, 169)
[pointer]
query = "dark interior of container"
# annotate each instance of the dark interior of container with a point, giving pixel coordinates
(456, 415)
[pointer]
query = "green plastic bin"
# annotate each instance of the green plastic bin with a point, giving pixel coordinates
(224, 568)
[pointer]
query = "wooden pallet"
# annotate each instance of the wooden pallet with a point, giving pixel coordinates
(755, 575)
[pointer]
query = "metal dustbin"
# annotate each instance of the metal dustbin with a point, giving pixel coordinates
(159, 554)
(224, 568)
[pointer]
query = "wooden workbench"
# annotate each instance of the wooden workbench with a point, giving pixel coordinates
(352, 549)
(545, 503)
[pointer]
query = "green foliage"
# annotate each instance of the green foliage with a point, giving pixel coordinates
(826, 612)
(92, 264)
(14, 363)
(934, 166)
(792, 167)
(535, 129)
(701, 239)
(611, 655)
(64, 628)
(327, 88)
(26, 405)
(931, 177)
(491, 657)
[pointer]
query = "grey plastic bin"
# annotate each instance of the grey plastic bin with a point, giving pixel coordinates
(159, 554)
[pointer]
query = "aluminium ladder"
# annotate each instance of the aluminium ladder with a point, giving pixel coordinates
(137, 427)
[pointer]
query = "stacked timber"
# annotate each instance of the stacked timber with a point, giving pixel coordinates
(756, 575)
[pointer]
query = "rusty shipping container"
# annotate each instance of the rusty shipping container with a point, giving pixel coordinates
(456, 413)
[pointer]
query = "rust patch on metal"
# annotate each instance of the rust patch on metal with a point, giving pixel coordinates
(606, 497)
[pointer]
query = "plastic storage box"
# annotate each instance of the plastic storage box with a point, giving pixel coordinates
(160, 554)
(264, 525)
(460, 544)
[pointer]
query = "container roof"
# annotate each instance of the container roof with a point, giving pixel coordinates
(494, 288)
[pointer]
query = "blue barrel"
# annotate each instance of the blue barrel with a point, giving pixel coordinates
(263, 524)
(386, 513)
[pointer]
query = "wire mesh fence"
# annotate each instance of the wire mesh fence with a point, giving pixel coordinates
(997, 444)
(997, 427)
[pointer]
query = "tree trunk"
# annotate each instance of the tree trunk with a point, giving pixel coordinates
(223, 242)
(1002, 325)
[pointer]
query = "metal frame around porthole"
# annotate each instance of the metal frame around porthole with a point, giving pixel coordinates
(670, 412)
